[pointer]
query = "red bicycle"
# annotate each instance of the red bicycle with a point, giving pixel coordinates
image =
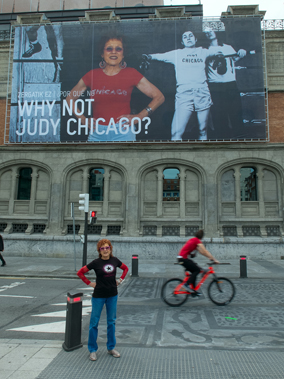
(221, 290)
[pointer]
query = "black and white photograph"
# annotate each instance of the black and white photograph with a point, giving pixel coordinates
(163, 80)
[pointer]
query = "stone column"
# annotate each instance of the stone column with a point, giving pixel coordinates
(34, 176)
(160, 178)
(106, 192)
(237, 176)
(259, 191)
(13, 195)
(85, 178)
(182, 177)
(58, 201)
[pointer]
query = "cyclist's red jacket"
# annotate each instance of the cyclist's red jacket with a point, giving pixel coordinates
(189, 247)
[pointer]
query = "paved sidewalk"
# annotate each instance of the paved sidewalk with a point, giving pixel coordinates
(26, 359)
(65, 268)
(30, 359)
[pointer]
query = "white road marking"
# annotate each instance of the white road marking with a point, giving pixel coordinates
(52, 327)
(12, 285)
(85, 312)
(28, 297)
(86, 303)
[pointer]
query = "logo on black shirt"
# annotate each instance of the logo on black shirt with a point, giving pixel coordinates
(108, 268)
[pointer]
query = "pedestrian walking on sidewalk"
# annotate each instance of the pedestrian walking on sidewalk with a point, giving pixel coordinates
(105, 293)
(2, 249)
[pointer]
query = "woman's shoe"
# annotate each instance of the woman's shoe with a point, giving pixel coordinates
(114, 353)
(93, 356)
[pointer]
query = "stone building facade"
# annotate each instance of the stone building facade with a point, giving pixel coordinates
(131, 204)
(8, 6)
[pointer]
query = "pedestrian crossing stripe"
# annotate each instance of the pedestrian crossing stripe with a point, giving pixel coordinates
(85, 312)
(52, 327)
(86, 303)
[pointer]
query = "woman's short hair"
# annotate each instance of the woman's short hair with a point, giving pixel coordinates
(104, 242)
(113, 35)
(199, 234)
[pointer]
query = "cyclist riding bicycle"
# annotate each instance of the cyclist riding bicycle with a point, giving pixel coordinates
(188, 251)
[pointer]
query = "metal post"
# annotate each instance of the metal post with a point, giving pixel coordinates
(73, 322)
(74, 234)
(243, 266)
(85, 240)
(134, 265)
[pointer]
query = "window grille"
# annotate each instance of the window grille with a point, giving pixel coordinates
(273, 231)
(230, 231)
(251, 231)
(94, 229)
(70, 229)
(19, 228)
(39, 228)
(191, 230)
(150, 230)
(113, 229)
(3, 227)
(171, 231)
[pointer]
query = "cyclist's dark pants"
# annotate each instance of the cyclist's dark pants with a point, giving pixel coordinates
(192, 267)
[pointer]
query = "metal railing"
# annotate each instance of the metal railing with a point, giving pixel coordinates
(272, 24)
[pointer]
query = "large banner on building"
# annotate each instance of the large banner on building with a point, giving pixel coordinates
(150, 80)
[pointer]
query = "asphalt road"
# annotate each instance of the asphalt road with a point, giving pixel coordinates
(34, 308)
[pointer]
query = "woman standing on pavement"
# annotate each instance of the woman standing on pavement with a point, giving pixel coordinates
(105, 293)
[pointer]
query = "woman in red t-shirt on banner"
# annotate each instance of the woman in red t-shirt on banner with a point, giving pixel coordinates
(187, 250)
(111, 87)
(105, 293)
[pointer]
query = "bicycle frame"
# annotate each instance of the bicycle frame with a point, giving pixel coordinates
(178, 290)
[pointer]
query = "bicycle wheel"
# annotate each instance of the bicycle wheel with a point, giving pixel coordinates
(221, 291)
(168, 295)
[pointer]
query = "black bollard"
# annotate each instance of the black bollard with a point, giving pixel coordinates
(73, 322)
(243, 266)
(134, 265)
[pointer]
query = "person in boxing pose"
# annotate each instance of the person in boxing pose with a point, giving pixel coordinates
(192, 92)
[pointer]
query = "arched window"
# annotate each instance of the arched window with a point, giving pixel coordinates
(24, 184)
(250, 201)
(171, 184)
(248, 184)
(96, 184)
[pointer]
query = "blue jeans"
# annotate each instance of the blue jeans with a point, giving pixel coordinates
(97, 307)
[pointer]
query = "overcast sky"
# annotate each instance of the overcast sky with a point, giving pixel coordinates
(274, 8)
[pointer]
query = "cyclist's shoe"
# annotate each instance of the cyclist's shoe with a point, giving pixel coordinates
(204, 271)
(187, 288)
(196, 293)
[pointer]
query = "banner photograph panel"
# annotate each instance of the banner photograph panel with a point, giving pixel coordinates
(138, 81)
